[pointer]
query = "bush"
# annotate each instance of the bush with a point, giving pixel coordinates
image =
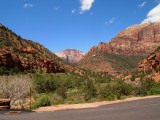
(43, 101)
(111, 96)
(148, 86)
(89, 89)
(62, 91)
(15, 88)
(155, 91)
(115, 89)
(44, 83)
(51, 82)
(107, 93)
(3, 70)
(9, 71)
(14, 70)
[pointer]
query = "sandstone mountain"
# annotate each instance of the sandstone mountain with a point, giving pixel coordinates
(124, 51)
(148, 67)
(26, 54)
(71, 55)
(151, 63)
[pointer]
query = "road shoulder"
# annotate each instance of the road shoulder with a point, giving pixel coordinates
(88, 105)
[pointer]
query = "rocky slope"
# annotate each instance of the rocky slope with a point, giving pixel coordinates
(147, 68)
(125, 50)
(26, 54)
(71, 55)
(151, 63)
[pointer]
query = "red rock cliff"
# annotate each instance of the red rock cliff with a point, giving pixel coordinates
(137, 40)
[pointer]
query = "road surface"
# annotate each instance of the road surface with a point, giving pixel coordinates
(148, 109)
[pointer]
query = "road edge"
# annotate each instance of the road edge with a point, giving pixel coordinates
(88, 105)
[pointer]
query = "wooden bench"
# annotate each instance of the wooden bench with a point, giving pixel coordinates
(4, 104)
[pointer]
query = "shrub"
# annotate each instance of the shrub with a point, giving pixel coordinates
(115, 89)
(89, 89)
(9, 71)
(14, 70)
(155, 91)
(43, 101)
(3, 70)
(44, 83)
(15, 87)
(62, 91)
(111, 96)
(147, 86)
(106, 92)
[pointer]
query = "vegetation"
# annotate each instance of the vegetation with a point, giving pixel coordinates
(41, 102)
(66, 88)
(15, 87)
(108, 62)
(9, 71)
(52, 89)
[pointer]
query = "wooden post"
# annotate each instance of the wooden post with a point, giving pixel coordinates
(30, 97)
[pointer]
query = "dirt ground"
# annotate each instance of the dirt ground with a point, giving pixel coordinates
(87, 105)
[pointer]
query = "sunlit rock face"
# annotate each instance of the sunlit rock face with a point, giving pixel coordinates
(124, 51)
(137, 40)
(71, 55)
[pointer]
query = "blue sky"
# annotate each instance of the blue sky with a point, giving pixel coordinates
(79, 24)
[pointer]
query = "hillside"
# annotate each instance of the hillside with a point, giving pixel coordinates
(150, 66)
(71, 55)
(123, 52)
(16, 52)
(152, 62)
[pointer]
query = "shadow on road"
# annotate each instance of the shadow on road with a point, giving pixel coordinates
(14, 111)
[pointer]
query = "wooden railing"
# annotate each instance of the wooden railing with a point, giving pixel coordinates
(4, 104)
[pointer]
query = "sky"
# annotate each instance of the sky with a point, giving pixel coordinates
(75, 24)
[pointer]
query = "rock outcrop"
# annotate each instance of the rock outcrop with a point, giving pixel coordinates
(150, 66)
(137, 40)
(152, 62)
(71, 55)
(26, 54)
(125, 50)
(10, 61)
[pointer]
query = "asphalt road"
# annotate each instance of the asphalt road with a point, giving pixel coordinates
(148, 109)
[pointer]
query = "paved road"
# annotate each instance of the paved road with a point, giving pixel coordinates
(148, 109)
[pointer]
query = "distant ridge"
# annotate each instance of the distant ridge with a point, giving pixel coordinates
(71, 55)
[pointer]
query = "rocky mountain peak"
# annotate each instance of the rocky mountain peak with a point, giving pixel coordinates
(124, 51)
(71, 55)
(137, 40)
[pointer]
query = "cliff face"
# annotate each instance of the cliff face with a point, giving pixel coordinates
(152, 62)
(150, 66)
(26, 54)
(132, 44)
(71, 55)
(137, 40)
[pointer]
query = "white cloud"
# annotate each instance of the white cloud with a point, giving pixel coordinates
(153, 15)
(28, 5)
(56, 8)
(73, 11)
(111, 21)
(86, 5)
(142, 4)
